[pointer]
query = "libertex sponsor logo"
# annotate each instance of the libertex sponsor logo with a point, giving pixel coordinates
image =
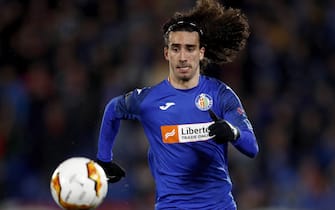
(185, 133)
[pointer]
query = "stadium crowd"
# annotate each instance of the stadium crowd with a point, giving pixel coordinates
(61, 61)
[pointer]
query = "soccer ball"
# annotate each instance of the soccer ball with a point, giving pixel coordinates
(78, 183)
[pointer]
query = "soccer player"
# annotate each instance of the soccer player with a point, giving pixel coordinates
(189, 119)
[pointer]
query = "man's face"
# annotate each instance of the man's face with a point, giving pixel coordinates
(184, 54)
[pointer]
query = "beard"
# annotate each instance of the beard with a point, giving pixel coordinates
(185, 78)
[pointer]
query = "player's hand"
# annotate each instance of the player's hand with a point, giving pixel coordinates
(222, 130)
(113, 171)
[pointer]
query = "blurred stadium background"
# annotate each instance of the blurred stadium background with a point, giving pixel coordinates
(61, 60)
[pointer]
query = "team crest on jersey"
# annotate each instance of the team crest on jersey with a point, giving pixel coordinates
(203, 102)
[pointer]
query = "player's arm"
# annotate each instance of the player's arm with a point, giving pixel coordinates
(109, 128)
(234, 127)
(119, 108)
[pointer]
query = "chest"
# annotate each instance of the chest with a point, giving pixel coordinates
(178, 108)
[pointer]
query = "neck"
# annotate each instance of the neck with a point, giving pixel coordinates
(184, 84)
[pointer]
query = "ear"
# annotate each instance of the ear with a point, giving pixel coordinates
(202, 53)
(166, 53)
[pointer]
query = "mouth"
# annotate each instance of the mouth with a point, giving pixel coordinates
(184, 68)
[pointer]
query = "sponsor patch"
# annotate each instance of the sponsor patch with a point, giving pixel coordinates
(185, 133)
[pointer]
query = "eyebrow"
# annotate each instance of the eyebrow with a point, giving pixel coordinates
(187, 45)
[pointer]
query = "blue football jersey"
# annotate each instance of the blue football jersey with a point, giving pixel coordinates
(190, 170)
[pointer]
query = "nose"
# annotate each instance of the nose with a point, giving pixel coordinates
(182, 55)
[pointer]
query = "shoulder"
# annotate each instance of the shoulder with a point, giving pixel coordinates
(215, 83)
(142, 93)
(137, 94)
(222, 90)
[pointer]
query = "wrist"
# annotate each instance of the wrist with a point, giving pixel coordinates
(235, 130)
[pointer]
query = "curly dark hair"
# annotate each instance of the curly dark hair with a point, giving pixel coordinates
(224, 31)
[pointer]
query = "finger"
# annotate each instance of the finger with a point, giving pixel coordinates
(213, 115)
(117, 170)
(113, 179)
(211, 134)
